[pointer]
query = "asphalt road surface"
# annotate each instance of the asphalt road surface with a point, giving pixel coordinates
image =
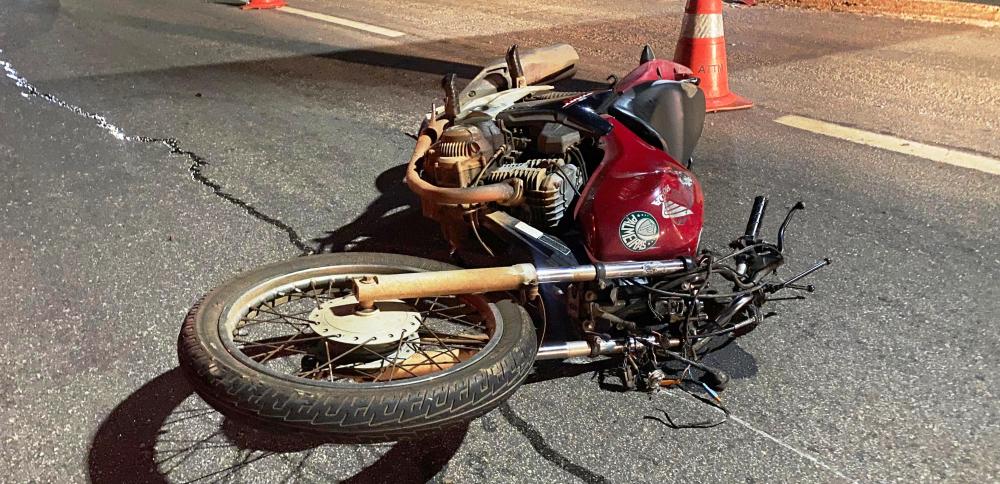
(151, 150)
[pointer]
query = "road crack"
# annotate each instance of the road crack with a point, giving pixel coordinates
(196, 168)
(537, 441)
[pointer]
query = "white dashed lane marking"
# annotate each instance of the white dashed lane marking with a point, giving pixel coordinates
(374, 29)
(899, 145)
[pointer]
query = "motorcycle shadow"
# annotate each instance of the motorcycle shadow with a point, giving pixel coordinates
(734, 360)
(604, 371)
(392, 223)
(164, 433)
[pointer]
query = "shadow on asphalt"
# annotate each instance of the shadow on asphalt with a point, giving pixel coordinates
(394, 223)
(161, 434)
(605, 372)
(370, 68)
(391, 223)
(386, 66)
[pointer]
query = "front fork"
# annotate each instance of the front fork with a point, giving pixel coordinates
(371, 288)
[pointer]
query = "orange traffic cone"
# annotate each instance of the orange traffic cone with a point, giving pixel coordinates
(702, 47)
(261, 4)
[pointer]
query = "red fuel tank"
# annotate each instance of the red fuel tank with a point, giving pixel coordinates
(640, 204)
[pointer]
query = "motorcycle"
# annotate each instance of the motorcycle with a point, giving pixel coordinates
(584, 206)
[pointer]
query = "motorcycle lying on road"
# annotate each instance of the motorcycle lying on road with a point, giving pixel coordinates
(586, 208)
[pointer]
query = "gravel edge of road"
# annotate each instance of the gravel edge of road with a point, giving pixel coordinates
(929, 10)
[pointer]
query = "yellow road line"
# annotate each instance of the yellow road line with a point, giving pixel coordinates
(375, 29)
(892, 143)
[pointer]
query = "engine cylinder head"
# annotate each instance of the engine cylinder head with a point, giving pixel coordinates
(549, 186)
(458, 156)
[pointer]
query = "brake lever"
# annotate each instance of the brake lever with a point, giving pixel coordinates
(788, 218)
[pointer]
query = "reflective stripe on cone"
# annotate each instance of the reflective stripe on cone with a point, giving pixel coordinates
(704, 26)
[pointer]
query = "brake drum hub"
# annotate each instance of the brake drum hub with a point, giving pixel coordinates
(340, 320)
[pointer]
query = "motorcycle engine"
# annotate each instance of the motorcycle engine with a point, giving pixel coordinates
(544, 157)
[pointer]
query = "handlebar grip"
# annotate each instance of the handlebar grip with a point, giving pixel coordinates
(756, 216)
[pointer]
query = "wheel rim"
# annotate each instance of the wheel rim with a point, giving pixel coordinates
(272, 328)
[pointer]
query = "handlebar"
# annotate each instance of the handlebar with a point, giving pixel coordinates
(756, 216)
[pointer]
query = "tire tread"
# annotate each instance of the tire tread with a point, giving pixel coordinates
(392, 413)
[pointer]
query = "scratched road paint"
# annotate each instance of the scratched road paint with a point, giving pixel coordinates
(374, 29)
(801, 453)
(891, 143)
(782, 443)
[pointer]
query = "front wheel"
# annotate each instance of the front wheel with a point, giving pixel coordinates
(286, 345)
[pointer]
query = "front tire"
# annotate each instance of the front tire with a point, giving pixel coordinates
(213, 354)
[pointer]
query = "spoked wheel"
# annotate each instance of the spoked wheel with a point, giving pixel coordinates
(287, 345)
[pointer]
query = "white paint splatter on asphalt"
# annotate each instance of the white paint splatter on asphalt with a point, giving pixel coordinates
(28, 90)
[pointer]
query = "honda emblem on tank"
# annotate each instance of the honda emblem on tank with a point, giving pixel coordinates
(673, 210)
(670, 209)
(638, 231)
